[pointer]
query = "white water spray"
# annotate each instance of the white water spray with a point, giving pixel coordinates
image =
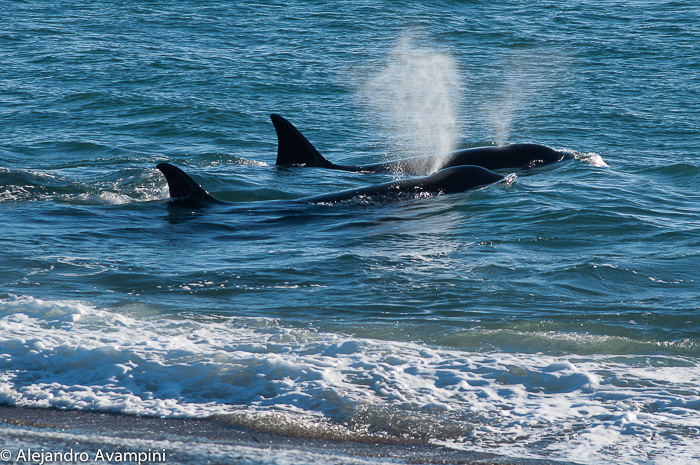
(524, 81)
(503, 109)
(417, 99)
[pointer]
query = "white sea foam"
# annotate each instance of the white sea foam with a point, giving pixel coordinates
(592, 409)
(591, 158)
(104, 198)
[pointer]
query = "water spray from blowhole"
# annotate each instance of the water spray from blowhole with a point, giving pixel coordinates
(416, 97)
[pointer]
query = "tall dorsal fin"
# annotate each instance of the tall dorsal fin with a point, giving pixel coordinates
(183, 188)
(293, 148)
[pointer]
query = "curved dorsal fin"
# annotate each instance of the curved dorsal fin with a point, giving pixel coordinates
(183, 188)
(293, 148)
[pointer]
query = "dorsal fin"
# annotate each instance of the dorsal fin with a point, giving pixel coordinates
(183, 188)
(293, 148)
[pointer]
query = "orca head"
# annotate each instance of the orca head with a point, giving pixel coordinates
(534, 155)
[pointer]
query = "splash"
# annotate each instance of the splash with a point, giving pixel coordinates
(416, 97)
(592, 159)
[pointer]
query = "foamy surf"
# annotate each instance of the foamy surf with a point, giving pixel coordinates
(593, 159)
(118, 187)
(260, 374)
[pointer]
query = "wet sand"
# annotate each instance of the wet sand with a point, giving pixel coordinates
(114, 438)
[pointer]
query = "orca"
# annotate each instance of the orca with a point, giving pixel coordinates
(295, 149)
(186, 192)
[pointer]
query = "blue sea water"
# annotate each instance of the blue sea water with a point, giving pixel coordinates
(554, 316)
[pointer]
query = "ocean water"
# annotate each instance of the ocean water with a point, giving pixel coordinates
(554, 316)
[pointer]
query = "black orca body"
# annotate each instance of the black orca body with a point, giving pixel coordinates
(294, 149)
(186, 192)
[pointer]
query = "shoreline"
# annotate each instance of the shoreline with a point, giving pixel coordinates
(94, 437)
